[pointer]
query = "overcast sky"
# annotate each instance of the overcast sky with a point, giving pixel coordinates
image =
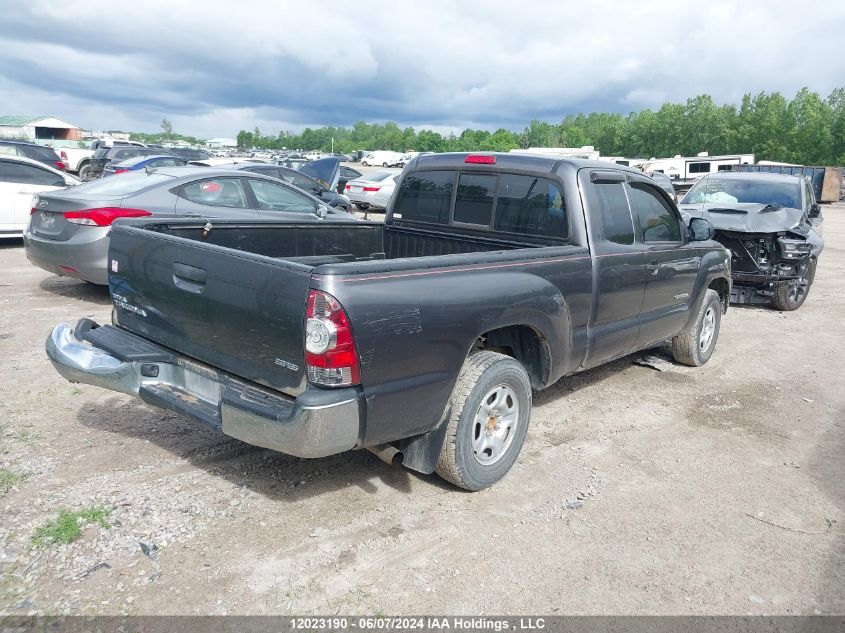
(216, 66)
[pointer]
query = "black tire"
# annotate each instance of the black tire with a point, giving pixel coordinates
(791, 295)
(362, 205)
(365, 163)
(84, 171)
(384, 164)
(485, 379)
(694, 346)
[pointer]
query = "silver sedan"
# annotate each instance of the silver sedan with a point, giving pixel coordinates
(372, 190)
(68, 229)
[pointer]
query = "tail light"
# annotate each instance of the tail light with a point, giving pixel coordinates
(330, 355)
(371, 188)
(480, 159)
(63, 155)
(118, 170)
(60, 165)
(349, 186)
(103, 216)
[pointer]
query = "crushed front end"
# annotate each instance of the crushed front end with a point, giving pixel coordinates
(760, 262)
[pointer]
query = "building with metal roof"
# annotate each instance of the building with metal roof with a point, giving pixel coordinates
(38, 128)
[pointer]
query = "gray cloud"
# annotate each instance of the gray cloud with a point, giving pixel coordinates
(214, 67)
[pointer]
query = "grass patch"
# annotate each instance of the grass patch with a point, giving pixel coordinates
(26, 436)
(8, 479)
(67, 527)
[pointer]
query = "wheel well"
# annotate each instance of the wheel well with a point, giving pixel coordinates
(720, 285)
(523, 343)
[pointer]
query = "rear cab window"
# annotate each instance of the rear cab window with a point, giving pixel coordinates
(517, 204)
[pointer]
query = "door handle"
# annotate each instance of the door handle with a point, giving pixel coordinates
(189, 278)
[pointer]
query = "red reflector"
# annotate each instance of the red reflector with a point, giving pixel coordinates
(103, 216)
(60, 165)
(480, 159)
(371, 188)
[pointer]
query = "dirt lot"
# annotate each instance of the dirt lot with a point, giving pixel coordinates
(717, 490)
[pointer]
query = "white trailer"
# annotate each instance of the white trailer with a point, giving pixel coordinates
(685, 170)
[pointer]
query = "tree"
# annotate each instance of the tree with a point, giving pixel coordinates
(166, 128)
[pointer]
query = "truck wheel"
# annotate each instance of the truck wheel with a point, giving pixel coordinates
(491, 408)
(790, 295)
(694, 346)
(84, 171)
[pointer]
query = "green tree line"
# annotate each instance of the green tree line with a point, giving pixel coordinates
(807, 129)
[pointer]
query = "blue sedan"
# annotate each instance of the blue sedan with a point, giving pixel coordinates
(142, 162)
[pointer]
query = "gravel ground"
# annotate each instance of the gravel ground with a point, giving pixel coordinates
(716, 490)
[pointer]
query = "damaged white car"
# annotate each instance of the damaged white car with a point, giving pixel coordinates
(771, 225)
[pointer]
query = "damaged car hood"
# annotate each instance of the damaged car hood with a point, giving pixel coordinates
(748, 217)
(741, 217)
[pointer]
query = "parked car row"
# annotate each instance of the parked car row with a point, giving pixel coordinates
(492, 275)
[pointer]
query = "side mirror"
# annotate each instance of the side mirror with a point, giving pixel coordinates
(322, 211)
(700, 230)
(815, 210)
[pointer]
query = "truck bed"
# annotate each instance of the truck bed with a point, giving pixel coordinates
(212, 292)
(325, 243)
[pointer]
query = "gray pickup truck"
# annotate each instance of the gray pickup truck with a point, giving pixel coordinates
(420, 339)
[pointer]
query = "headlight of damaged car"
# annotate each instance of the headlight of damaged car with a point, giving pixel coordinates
(793, 248)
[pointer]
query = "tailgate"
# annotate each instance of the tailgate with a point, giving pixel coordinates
(236, 311)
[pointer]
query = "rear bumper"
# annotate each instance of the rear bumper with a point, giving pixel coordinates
(83, 256)
(315, 424)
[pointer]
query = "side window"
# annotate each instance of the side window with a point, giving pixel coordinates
(530, 206)
(425, 197)
(216, 192)
(612, 203)
(167, 162)
(474, 202)
(811, 195)
(657, 222)
(699, 168)
(28, 174)
(273, 197)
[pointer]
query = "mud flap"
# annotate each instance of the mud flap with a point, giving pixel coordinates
(420, 452)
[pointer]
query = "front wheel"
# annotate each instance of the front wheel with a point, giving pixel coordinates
(790, 295)
(491, 409)
(85, 172)
(694, 346)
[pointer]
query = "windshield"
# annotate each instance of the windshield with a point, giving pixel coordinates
(744, 190)
(124, 184)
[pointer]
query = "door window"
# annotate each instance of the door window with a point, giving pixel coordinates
(216, 192)
(617, 226)
(273, 197)
(28, 174)
(657, 222)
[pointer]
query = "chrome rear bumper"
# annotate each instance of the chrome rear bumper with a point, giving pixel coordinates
(319, 422)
